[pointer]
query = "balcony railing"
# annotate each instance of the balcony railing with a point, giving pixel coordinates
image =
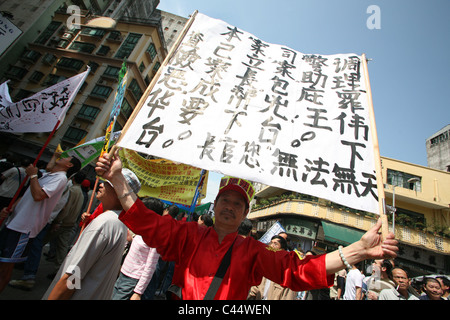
(317, 210)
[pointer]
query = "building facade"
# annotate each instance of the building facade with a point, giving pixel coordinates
(422, 217)
(59, 52)
(438, 149)
(172, 27)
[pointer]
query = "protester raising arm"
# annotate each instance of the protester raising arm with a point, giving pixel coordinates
(110, 169)
(370, 246)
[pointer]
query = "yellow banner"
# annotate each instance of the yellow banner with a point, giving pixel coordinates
(164, 179)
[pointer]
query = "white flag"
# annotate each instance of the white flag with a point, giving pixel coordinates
(229, 102)
(5, 99)
(41, 111)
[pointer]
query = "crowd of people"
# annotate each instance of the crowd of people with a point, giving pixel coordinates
(130, 248)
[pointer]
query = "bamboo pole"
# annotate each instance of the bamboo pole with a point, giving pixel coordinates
(377, 157)
(16, 195)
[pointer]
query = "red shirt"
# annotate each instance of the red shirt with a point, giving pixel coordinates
(198, 253)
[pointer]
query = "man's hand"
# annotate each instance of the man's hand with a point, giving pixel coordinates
(84, 216)
(377, 248)
(31, 170)
(4, 213)
(108, 168)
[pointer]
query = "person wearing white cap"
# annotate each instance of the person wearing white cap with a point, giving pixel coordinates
(91, 267)
(200, 253)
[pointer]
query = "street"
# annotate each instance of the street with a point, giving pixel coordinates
(41, 286)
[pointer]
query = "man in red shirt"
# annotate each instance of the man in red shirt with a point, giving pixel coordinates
(198, 251)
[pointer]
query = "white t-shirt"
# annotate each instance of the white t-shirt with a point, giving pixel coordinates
(354, 279)
(12, 182)
(94, 261)
(31, 216)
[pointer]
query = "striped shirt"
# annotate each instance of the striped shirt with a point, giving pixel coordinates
(140, 263)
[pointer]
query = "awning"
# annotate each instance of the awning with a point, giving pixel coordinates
(340, 234)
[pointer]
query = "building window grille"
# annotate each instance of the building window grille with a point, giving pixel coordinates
(152, 51)
(88, 112)
(128, 45)
(101, 91)
(17, 72)
(135, 89)
(404, 180)
(82, 47)
(103, 50)
(98, 33)
(112, 72)
(74, 134)
(48, 32)
(36, 76)
(69, 63)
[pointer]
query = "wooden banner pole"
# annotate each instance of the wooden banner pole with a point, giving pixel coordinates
(376, 147)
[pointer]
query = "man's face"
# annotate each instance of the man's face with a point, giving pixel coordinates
(64, 161)
(106, 194)
(230, 209)
(401, 279)
(433, 289)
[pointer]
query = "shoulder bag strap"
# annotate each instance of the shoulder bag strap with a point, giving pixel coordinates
(217, 280)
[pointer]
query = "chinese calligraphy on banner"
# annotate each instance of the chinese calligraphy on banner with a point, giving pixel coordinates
(163, 179)
(89, 151)
(41, 111)
(229, 102)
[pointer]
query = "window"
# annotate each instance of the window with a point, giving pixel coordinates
(82, 47)
(112, 72)
(101, 91)
(128, 45)
(74, 134)
(36, 76)
(23, 94)
(156, 67)
(31, 55)
(17, 72)
(63, 43)
(404, 180)
(114, 35)
(48, 32)
(152, 50)
(141, 67)
(134, 88)
(103, 50)
(98, 33)
(49, 59)
(93, 65)
(70, 63)
(53, 79)
(440, 138)
(88, 112)
(126, 108)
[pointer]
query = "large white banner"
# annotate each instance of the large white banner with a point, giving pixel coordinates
(231, 103)
(41, 111)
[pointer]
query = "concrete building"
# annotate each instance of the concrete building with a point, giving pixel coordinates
(438, 149)
(172, 26)
(422, 217)
(58, 53)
